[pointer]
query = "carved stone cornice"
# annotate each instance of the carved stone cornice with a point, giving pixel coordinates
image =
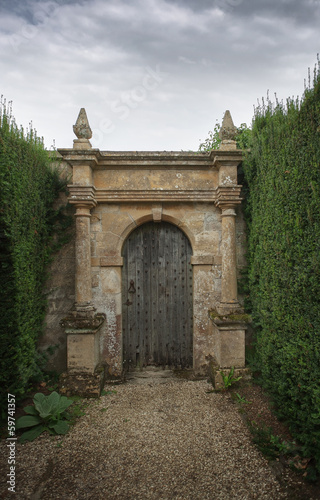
(82, 195)
(149, 160)
(226, 157)
(80, 156)
(228, 196)
(152, 195)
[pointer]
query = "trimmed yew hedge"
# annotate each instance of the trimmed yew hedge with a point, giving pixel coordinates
(282, 172)
(29, 185)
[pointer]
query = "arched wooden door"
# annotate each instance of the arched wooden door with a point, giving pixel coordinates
(157, 298)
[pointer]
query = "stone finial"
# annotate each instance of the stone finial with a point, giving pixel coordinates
(228, 131)
(82, 128)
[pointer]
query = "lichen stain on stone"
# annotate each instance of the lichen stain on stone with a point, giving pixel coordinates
(112, 339)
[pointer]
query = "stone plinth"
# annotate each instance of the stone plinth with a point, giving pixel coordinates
(84, 376)
(228, 334)
(85, 385)
(229, 343)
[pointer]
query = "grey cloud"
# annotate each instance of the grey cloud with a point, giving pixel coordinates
(214, 54)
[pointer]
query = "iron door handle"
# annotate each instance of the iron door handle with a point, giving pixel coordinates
(131, 287)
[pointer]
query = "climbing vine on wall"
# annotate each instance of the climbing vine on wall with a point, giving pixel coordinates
(29, 185)
(282, 209)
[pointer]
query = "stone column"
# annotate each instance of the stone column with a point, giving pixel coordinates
(227, 200)
(229, 294)
(82, 325)
(228, 327)
(83, 258)
(226, 160)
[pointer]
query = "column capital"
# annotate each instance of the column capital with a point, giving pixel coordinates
(82, 196)
(228, 197)
(228, 211)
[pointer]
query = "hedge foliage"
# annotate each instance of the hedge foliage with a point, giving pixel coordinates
(282, 172)
(29, 186)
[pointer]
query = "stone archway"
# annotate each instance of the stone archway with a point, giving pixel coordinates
(114, 192)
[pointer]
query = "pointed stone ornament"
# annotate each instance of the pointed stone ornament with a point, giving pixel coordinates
(228, 132)
(83, 131)
(82, 128)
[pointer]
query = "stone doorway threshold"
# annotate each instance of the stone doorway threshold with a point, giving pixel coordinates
(158, 375)
(150, 375)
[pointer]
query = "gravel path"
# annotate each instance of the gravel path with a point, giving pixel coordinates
(156, 437)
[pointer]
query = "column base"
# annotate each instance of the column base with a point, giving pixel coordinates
(85, 385)
(86, 310)
(82, 318)
(226, 308)
(228, 339)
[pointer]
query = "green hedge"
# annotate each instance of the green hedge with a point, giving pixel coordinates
(29, 185)
(282, 172)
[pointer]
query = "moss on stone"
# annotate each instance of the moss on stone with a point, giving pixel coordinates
(242, 317)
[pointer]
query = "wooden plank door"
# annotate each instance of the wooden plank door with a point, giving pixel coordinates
(157, 298)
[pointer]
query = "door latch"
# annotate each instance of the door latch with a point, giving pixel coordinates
(132, 288)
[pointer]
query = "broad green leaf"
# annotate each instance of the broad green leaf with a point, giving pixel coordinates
(47, 405)
(61, 427)
(38, 400)
(54, 399)
(30, 410)
(32, 434)
(28, 421)
(64, 403)
(39, 397)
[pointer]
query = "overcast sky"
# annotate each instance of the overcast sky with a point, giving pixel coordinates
(152, 74)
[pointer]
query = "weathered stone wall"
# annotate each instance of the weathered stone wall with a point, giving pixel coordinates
(60, 293)
(60, 297)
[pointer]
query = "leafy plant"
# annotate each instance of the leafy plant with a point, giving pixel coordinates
(47, 414)
(270, 445)
(31, 229)
(229, 379)
(77, 409)
(241, 399)
(213, 140)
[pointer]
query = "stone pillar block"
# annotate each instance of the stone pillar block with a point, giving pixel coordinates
(229, 340)
(83, 351)
(84, 376)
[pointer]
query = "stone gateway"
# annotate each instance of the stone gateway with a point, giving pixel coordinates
(159, 245)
